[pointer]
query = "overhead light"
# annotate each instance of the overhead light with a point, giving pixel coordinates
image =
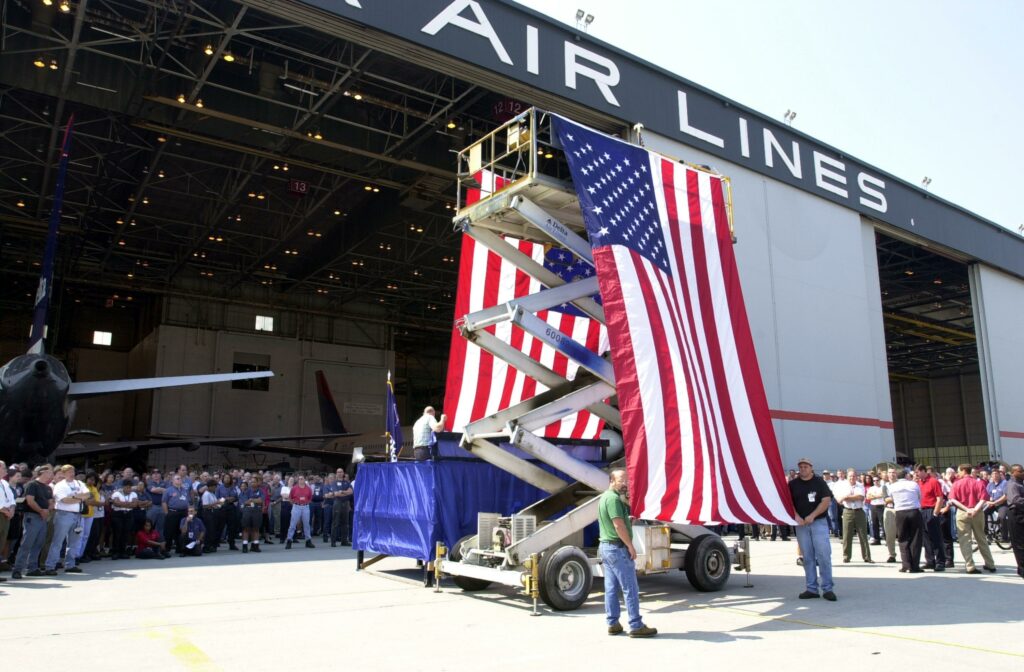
(358, 96)
(229, 57)
(367, 188)
(937, 281)
(39, 62)
(580, 14)
(452, 124)
(337, 213)
(277, 167)
(252, 194)
(181, 98)
(199, 102)
(208, 50)
(161, 138)
(119, 221)
(145, 200)
(284, 167)
(21, 203)
(130, 274)
(53, 64)
(121, 242)
(317, 135)
(293, 87)
(48, 3)
(376, 190)
(548, 155)
(65, 6)
(260, 196)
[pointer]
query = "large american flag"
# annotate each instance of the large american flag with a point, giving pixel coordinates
(478, 384)
(700, 446)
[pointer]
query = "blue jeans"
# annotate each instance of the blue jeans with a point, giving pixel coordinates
(300, 511)
(817, 552)
(620, 575)
(33, 536)
(64, 526)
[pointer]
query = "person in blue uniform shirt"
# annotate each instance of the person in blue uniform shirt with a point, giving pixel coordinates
(253, 503)
(175, 506)
(229, 494)
(340, 530)
(316, 505)
(155, 486)
(330, 485)
(192, 532)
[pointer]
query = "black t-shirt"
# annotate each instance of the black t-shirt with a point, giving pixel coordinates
(41, 492)
(807, 495)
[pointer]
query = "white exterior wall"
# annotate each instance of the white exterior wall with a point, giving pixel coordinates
(999, 317)
(355, 375)
(809, 270)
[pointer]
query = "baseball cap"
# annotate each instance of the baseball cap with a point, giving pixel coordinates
(804, 460)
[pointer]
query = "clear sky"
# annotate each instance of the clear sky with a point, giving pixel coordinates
(916, 88)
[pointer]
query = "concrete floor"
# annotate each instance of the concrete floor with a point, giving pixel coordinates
(258, 612)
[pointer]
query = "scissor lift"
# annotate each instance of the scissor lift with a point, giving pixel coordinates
(523, 190)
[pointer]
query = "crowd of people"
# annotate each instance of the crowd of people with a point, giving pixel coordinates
(54, 518)
(913, 510)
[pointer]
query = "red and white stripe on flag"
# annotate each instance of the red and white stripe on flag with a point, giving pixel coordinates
(479, 384)
(700, 443)
(700, 446)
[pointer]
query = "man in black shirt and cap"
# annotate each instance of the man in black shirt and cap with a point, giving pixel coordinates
(811, 499)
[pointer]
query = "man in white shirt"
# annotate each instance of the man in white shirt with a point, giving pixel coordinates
(122, 503)
(850, 495)
(7, 505)
(906, 501)
(68, 496)
(423, 432)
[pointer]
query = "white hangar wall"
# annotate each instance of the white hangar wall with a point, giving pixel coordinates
(998, 300)
(809, 270)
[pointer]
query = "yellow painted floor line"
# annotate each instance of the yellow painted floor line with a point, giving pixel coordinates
(181, 647)
(860, 631)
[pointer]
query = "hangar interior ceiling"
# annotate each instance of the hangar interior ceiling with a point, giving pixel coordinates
(221, 154)
(927, 312)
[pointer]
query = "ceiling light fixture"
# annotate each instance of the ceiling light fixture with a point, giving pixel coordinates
(65, 6)
(229, 57)
(161, 138)
(39, 62)
(53, 64)
(21, 203)
(181, 98)
(208, 50)
(260, 196)
(452, 124)
(199, 102)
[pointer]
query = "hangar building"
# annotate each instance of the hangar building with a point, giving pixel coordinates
(270, 184)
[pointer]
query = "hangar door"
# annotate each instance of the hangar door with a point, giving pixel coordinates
(998, 302)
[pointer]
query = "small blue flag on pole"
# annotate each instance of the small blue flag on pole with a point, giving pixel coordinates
(393, 431)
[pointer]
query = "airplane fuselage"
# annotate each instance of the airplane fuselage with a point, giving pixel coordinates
(35, 412)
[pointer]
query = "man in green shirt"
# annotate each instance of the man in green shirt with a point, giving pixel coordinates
(618, 556)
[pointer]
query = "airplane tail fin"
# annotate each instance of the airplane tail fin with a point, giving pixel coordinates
(330, 419)
(42, 306)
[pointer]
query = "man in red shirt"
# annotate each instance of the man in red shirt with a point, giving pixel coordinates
(300, 496)
(931, 506)
(969, 496)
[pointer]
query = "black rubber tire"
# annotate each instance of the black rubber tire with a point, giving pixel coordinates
(565, 578)
(707, 563)
(466, 583)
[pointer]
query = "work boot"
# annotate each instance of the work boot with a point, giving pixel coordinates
(615, 629)
(643, 631)
(288, 544)
(309, 543)
(256, 548)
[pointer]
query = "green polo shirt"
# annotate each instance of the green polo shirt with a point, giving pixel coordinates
(612, 507)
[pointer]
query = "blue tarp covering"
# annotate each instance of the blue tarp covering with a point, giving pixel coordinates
(405, 508)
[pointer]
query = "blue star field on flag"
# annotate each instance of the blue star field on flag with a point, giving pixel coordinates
(616, 191)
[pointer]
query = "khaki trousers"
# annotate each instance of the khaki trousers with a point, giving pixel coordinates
(889, 525)
(855, 522)
(970, 529)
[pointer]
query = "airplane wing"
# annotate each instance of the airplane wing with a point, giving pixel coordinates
(194, 442)
(99, 387)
